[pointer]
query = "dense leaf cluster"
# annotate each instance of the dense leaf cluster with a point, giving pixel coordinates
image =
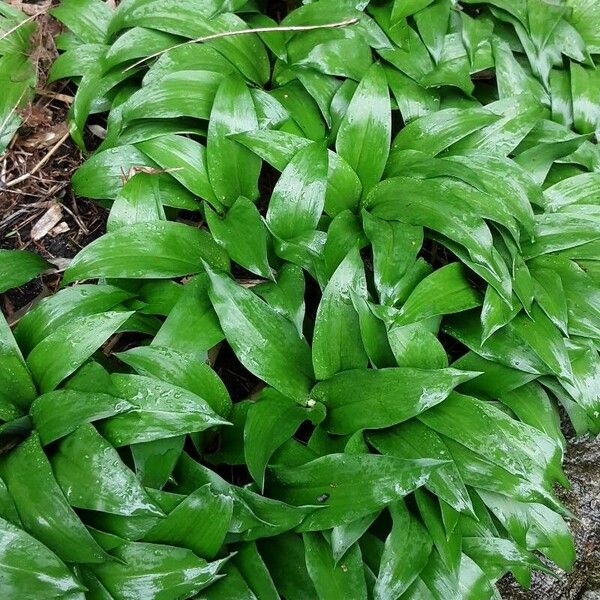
(398, 240)
(18, 75)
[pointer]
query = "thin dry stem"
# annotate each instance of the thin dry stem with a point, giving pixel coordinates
(40, 164)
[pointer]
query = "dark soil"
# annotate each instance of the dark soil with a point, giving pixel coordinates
(582, 466)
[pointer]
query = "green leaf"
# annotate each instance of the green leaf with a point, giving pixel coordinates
(114, 487)
(347, 487)
(59, 413)
(285, 559)
(333, 581)
(17, 267)
(243, 234)
(271, 421)
(286, 295)
(37, 494)
(415, 346)
(17, 388)
(434, 133)
(405, 553)
(180, 369)
(265, 342)
(163, 571)
(69, 346)
(192, 306)
(299, 196)
(365, 133)
(518, 448)
(534, 526)
(155, 461)
(26, 564)
(87, 19)
(147, 250)
(199, 523)
(368, 399)
(413, 440)
(444, 292)
(138, 202)
(185, 158)
(254, 571)
(395, 248)
(337, 343)
(55, 311)
(232, 168)
(160, 410)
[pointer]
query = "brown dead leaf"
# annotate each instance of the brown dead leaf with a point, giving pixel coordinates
(46, 222)
(46, 137)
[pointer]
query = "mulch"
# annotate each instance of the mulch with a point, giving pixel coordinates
(38, 210)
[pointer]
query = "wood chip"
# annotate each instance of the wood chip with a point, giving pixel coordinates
(48, 221)
(62, 227)
(46, 137)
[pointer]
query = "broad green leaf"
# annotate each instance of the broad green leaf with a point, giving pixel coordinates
(186, 160)
(337, 343)
(154, 461)
(147, 250)
(17, 388)
(230, 585)
(254, 571)
(70, 345)
(405, 553)
(286, 295)
(162, 571)
(299, 196)
(347, 487)
(413, 345)
(179, 94)
(244, 236)
(434, 133)
(26, 564)
(232, 168)
(138, 202)
(534, 526)
(532, 405)
(60, 412)
(37, 494)
(87, 19)
(517, 447)
(183, 370)
(412, 440)
(586, 109)
(199, 523)
(395, 248)
(192, 326)
(17, 267)
(369, 399)
(265, 342)
(270, 422)
(284, 556)
(160, 410)
(333, 581)
(344, 233)
(114, 487)
(444, 292)
(101, 176)
(416, 202)
(365, 133)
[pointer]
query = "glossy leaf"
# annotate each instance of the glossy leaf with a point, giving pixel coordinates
(147, 250)
(369, 399)
(273, 351)
(365, 132)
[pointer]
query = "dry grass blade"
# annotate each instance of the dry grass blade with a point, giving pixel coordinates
(216, 36)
